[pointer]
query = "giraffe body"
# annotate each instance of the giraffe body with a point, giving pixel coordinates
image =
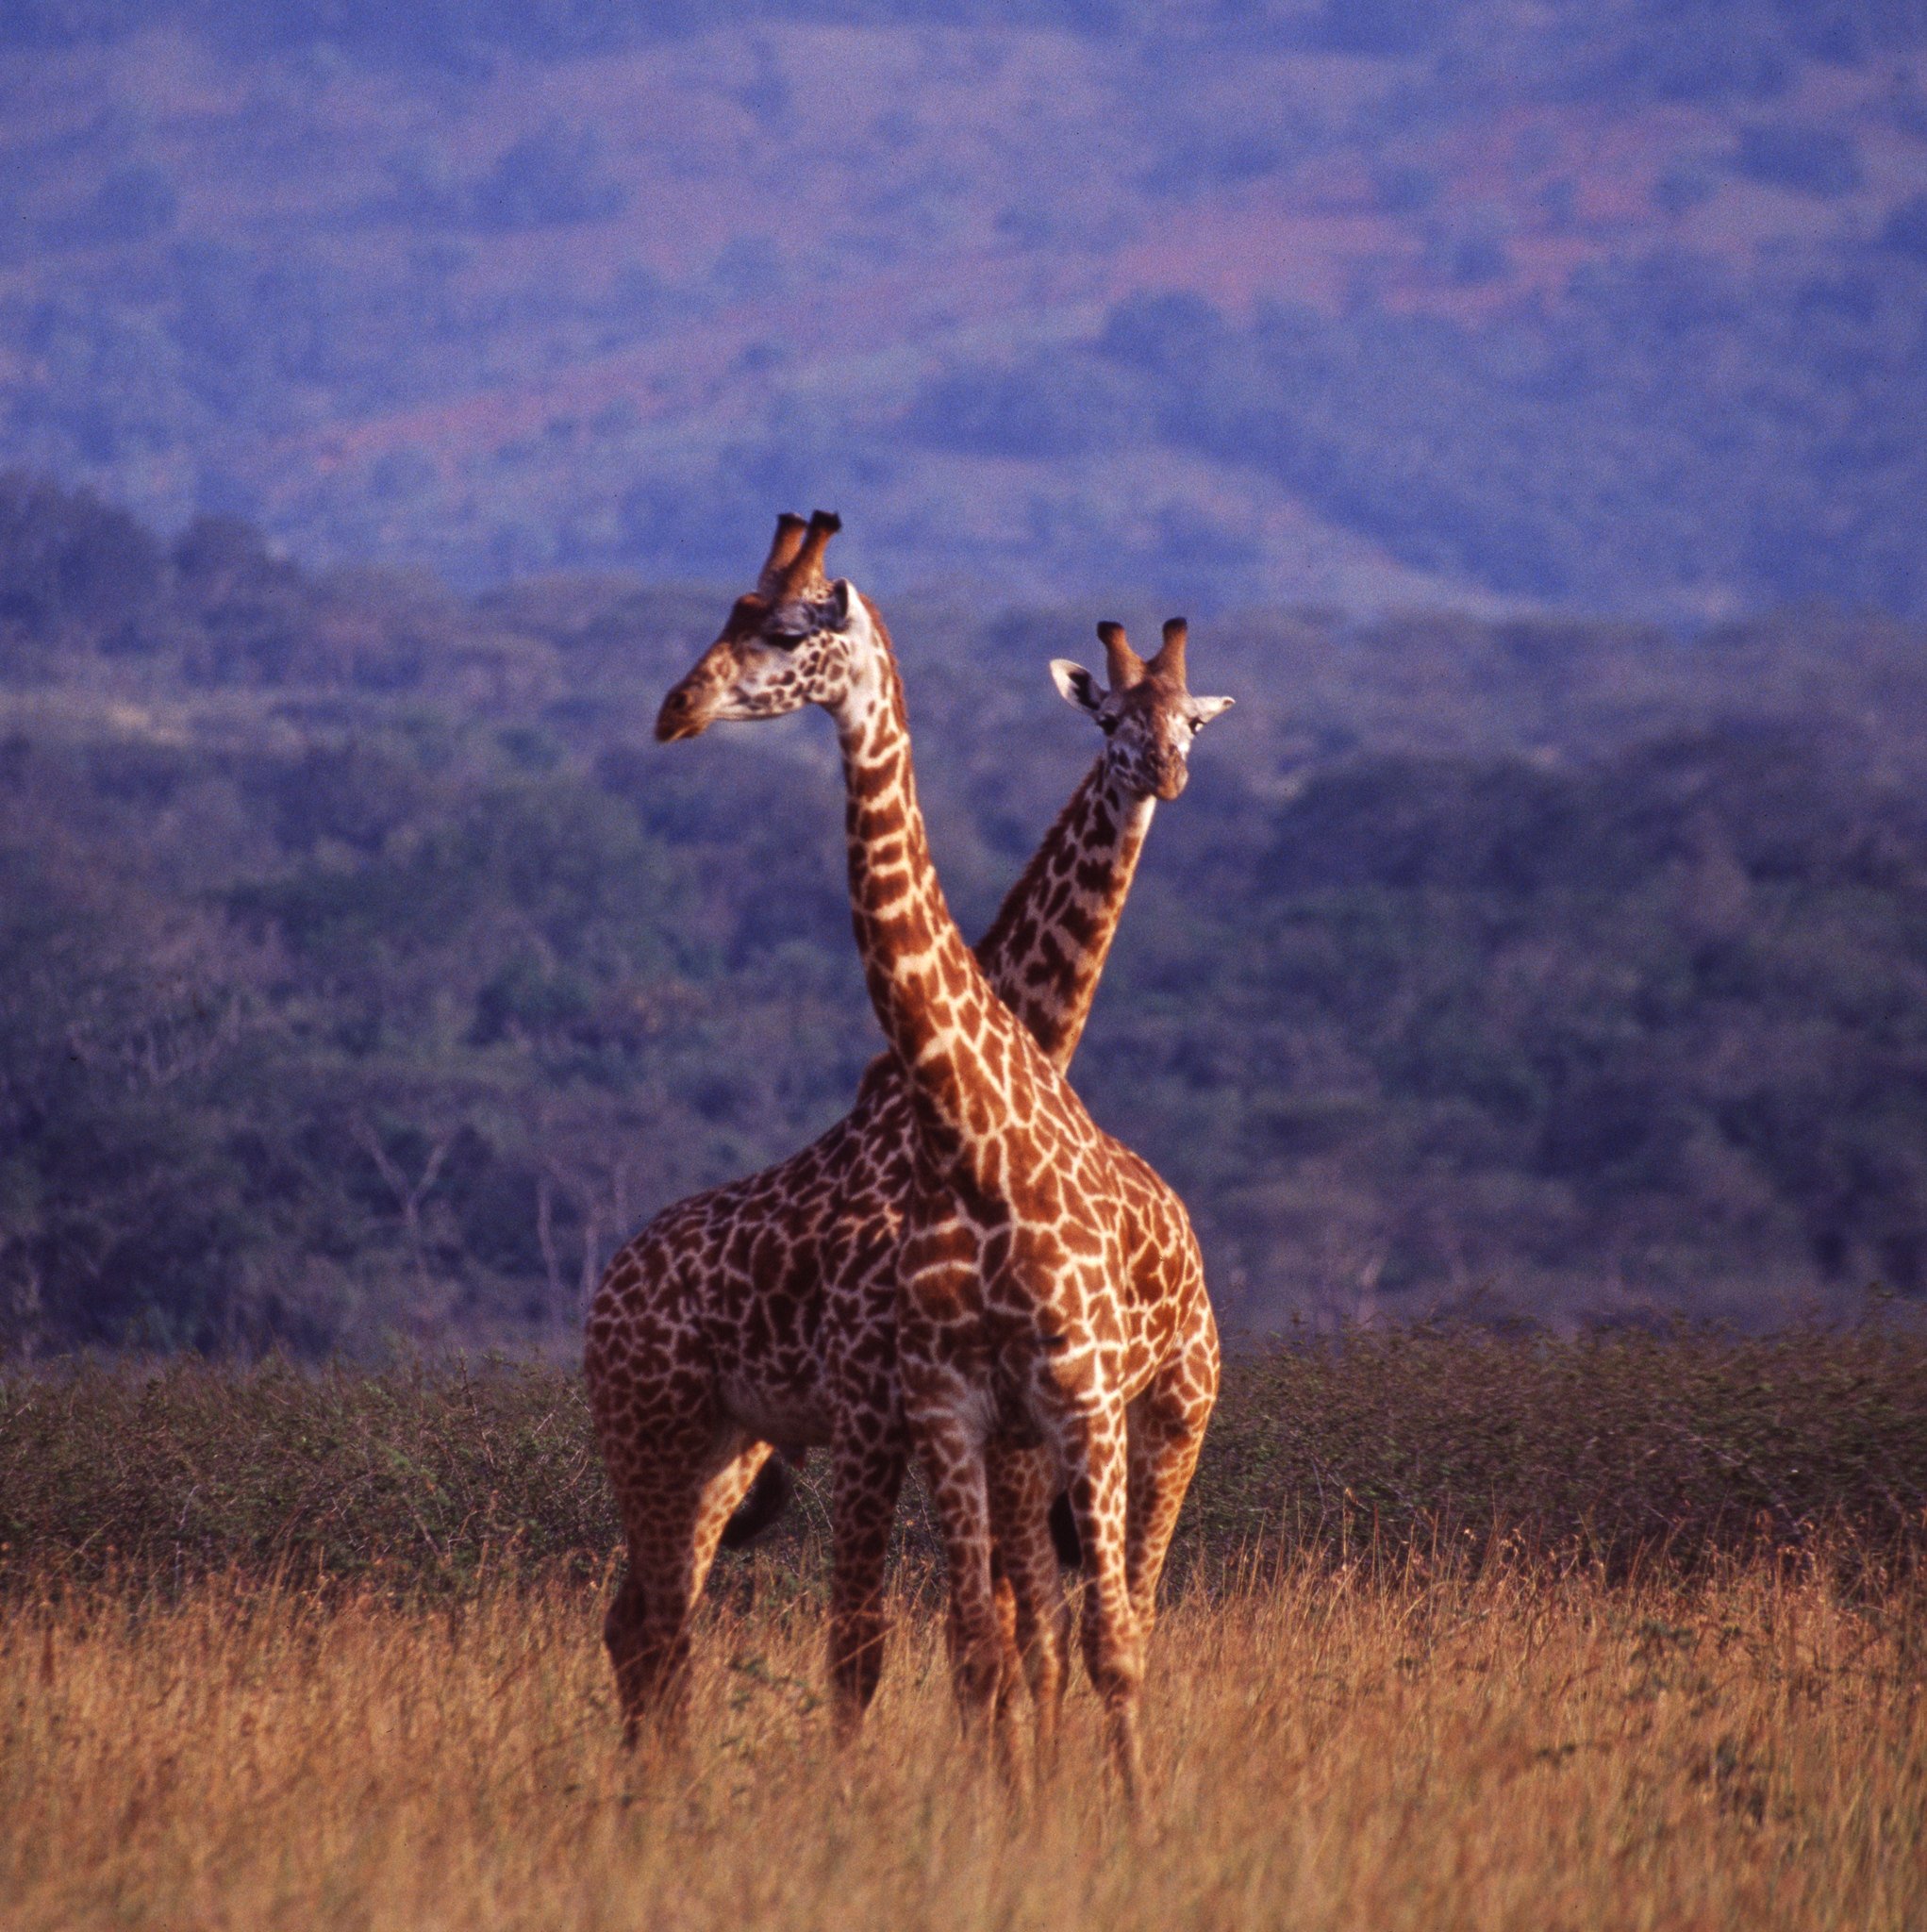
(1050, 1294)
(766, 1310)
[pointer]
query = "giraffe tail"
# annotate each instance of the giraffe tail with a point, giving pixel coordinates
(769, 1496)
(1064, 1537)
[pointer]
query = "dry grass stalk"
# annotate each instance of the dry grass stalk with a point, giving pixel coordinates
(1495, 1753)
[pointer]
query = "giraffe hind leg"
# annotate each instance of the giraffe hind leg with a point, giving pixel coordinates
(1167, 1424)
(675, 1518)
(1163, 1456)
(626, 1636)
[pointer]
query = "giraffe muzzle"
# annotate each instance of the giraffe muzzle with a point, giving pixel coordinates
(681, 716)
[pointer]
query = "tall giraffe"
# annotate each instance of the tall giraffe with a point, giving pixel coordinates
(766, 1310)
(1047, 1281)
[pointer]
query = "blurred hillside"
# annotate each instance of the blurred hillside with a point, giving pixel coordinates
(1614, 307)
(365, 971)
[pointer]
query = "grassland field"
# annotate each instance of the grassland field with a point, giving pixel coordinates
(1463, 1631)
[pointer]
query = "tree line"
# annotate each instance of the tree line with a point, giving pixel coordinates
(366, 973)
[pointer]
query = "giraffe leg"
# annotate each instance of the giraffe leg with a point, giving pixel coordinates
(1009, 1660)
(674, 1515)
(955, 1471)
(1011, 1670)
(722, 1495)
(647, 1628)
(1167, 1424)
(868, 1481)
(1004, 1593)
(1163, 1455)
(1113, 1647)
(1039, 1616)
(625, 1635)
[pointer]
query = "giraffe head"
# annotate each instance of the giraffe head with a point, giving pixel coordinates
(1148, 715)
(795, 640)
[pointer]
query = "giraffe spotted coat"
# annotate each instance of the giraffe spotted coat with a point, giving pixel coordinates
(1048, 1282)
(766, 1310)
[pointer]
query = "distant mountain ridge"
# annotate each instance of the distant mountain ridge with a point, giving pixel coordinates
(1603, 308)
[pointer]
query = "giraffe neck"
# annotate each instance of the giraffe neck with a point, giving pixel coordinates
(937, 1010)
(1046, 949)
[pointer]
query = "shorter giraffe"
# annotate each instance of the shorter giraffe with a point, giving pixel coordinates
(766, 1310)
(1050, 1292)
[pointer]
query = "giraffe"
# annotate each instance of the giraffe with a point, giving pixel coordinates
(766, 1310)
(1047, 1281)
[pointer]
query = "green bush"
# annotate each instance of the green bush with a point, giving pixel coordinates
(1617, 1451)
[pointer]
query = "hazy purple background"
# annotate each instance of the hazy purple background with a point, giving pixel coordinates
(1609, 306)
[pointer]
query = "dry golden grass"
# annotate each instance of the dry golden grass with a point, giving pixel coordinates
(1504, 1752)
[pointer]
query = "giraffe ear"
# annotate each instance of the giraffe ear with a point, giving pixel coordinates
(1076, 685)
(1205, 709)
(842, 603)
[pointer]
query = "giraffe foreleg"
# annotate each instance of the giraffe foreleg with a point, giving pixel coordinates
(1009, 1664)
(954, 1467)
(868, 1482)
(1020, 1489)
(1113, 1646)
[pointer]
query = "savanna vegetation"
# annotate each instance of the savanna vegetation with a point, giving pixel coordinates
(1614, 1457)
(366, 973)
(1542, 983)
(1491, 1751)
(1462, 1631)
